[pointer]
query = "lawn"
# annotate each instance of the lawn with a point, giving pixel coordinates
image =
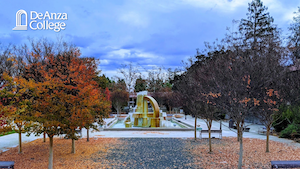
(7, 133)
(149, 153)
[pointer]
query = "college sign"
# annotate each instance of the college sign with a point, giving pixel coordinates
(41, 21)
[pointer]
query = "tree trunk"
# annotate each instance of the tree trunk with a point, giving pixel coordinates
(238, 131)
(20, 140)
(87, 134)
(44, 136)
(268, 135)
(195, 127)
(50, 165)
(209, 134)
(73, 146)
(118, 113)
(241, 150)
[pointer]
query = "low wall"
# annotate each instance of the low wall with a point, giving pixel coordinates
(148, 129)
(185, 124)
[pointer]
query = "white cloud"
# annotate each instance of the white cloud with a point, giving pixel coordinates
(134, 19)
(223, 5)
(133, 53)
(146, 55)
(275, 7)
(120, 53)
(104, 61)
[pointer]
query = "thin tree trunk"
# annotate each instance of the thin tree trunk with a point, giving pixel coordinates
(73, 146)
(238, 131)
(268, 135)
(87, 134)
(195, 127)
(50, 165)
(44, 136)
(20, 140)
(209, 134)
(241, 150)
(118, 113)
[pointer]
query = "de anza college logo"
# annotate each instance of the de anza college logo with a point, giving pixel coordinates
(40, 21)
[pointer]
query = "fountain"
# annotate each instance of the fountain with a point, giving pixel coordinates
(141, 117)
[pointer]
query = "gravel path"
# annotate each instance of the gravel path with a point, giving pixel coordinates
(151, 153)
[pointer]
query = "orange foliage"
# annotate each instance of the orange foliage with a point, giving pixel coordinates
(65, 93)
(247, 79)
(270, 102)
(256, 102)
(107, 93)
(214, 95)
(245, 101)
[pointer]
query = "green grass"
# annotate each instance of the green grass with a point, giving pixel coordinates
(7, 133)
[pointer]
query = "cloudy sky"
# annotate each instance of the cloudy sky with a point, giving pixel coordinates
(146, 32)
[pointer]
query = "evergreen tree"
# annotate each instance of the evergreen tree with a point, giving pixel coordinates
(258, 25)
(295, 35)
(140, 84)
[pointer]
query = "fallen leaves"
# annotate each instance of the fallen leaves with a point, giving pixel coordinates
(35, 154)
(112, 153)
(225, 153)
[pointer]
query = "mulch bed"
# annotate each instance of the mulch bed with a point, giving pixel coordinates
(149, 153)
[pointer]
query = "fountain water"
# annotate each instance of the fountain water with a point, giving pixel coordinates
(140, 117)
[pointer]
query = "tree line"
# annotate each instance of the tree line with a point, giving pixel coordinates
(250, 73)
(47, 88)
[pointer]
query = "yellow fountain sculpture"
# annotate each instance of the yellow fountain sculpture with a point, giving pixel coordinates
(141, 116)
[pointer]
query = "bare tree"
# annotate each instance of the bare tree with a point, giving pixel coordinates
(189, 96)
(131, 73)
(269, 82)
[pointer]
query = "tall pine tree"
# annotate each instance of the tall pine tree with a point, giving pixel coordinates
(257, 26)
(295, 35)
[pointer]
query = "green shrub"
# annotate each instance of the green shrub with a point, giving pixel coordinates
(287, 115)
(292, 131)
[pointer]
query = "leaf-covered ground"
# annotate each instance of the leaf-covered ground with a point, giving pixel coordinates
(225, 153)
(36, 153)
(149, 153)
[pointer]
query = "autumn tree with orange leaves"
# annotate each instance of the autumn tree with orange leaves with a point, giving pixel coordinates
(64, 95)
(16, 106)
(14, 102)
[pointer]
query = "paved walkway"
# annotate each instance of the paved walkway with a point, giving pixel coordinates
(12, 139)
(137, 153)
